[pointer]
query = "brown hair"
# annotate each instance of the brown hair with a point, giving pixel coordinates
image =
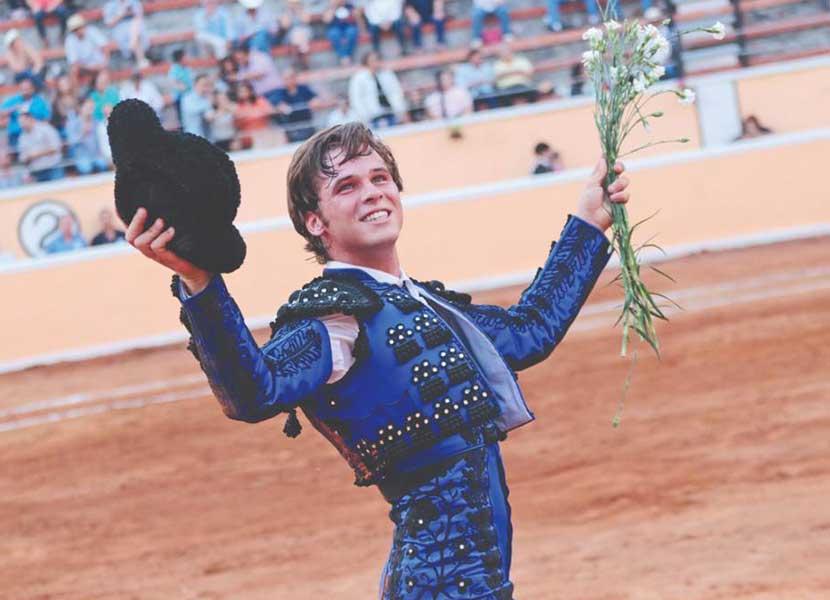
(312, 161)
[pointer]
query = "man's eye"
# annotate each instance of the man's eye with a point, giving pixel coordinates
(345, 187)
(379, 179)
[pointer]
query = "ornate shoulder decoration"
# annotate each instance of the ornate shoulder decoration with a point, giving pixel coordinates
(438, 288)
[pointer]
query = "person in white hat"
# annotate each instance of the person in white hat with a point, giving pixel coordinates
(23, 59)
(256, 26)
(86, 51)
(214, 28)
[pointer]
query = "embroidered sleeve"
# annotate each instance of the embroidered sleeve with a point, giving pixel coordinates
(527, 332)
(253, 383)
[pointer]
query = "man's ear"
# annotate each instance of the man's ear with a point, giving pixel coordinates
(314, 224)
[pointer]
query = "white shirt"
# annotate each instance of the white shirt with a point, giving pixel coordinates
(343, 329)
(88, 51)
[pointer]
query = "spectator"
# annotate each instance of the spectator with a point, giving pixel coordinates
(577, 79)
(222, 125)
(10, 175)
(553, 20)
(84, 141)
(375, 94)
(296, 30)
(125, 19)
(385, 15)
(256, 27)
(253, 117)
(477, 77)
(416, 112)
(423, 12)
(139, 87)
(214, 28)
(485, 8)
(104, 94)
(69, 238)
(751, 128)
(108, 234)
(259, 69)
(42, 9)
(64, 103)
(341, 113)
(228, 74)
(341, 29)
(27, 100)
(547, 159)
(85, 48)
(39, 148)
(514, 77)
(294, 104)
(180, 77)
(196, 106)
(23, 60)
(449, 100)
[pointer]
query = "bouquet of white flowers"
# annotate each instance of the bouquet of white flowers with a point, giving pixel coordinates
(623, 61)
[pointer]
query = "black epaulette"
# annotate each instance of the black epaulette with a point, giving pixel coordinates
(327, 296)
(438, 288)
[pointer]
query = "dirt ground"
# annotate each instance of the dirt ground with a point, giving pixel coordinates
(121, 479)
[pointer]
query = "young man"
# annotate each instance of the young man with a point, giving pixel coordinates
(413, 384)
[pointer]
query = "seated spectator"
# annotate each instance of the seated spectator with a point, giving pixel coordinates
(85, 48)
(180, 77)
(375, 94)
(23, 60)
(547, 159)
(222, 123)
(341, 29)
(108, 234)
(68, 239)
(228, 74)
(260, 71)
(553, 20)
(125, 20)
(214, 28)
(27, 100)
(44, 8)
(449, 100)
(294, 104)
(197, 105)
(256, 27)
(39, 148)
(11, 175)
(477, 77)
(424, 12)
(296, 30)
(385, 15)
(84, 141)
(64, 103)
(341, 113)
(104, 94)
(143, 89)
(485, 8)
(514, 77)
(751, 128)
(253, 118)
(416, 112)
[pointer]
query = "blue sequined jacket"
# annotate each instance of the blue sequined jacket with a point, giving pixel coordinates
(425, 375)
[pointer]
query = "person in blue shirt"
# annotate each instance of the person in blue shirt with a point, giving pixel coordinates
(25, 100)
(294, 103)
(69, 237)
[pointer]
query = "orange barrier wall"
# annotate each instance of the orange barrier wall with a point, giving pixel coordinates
(793, 101)
(492, 150)
(109, 300)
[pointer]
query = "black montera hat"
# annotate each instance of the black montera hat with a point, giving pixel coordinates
(180, 177)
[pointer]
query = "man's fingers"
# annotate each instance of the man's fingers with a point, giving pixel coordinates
(143, 241)
(619, 167)
(619, 185)
(136, 226)
(159, 245)
(621, 197)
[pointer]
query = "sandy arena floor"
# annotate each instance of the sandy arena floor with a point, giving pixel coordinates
(121, 479)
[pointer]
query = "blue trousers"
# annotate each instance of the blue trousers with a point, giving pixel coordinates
(453, 533)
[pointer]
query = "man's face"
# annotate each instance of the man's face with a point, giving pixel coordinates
(360, 211)
(105, 218)
(67, 225)
(27, 121)
(203, 86)
(27, 88)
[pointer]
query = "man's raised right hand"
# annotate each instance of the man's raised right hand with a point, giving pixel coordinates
(153, 244)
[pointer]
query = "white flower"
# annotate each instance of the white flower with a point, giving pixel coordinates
(593, 35)
(663, 51)
(717, 30)
(687, 96)
(640, 83)
(590, 59)
(612, 25)
(657, 72)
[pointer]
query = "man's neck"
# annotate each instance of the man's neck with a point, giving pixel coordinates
(388, 263)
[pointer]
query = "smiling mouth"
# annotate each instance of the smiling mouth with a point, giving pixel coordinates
(377, 215)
